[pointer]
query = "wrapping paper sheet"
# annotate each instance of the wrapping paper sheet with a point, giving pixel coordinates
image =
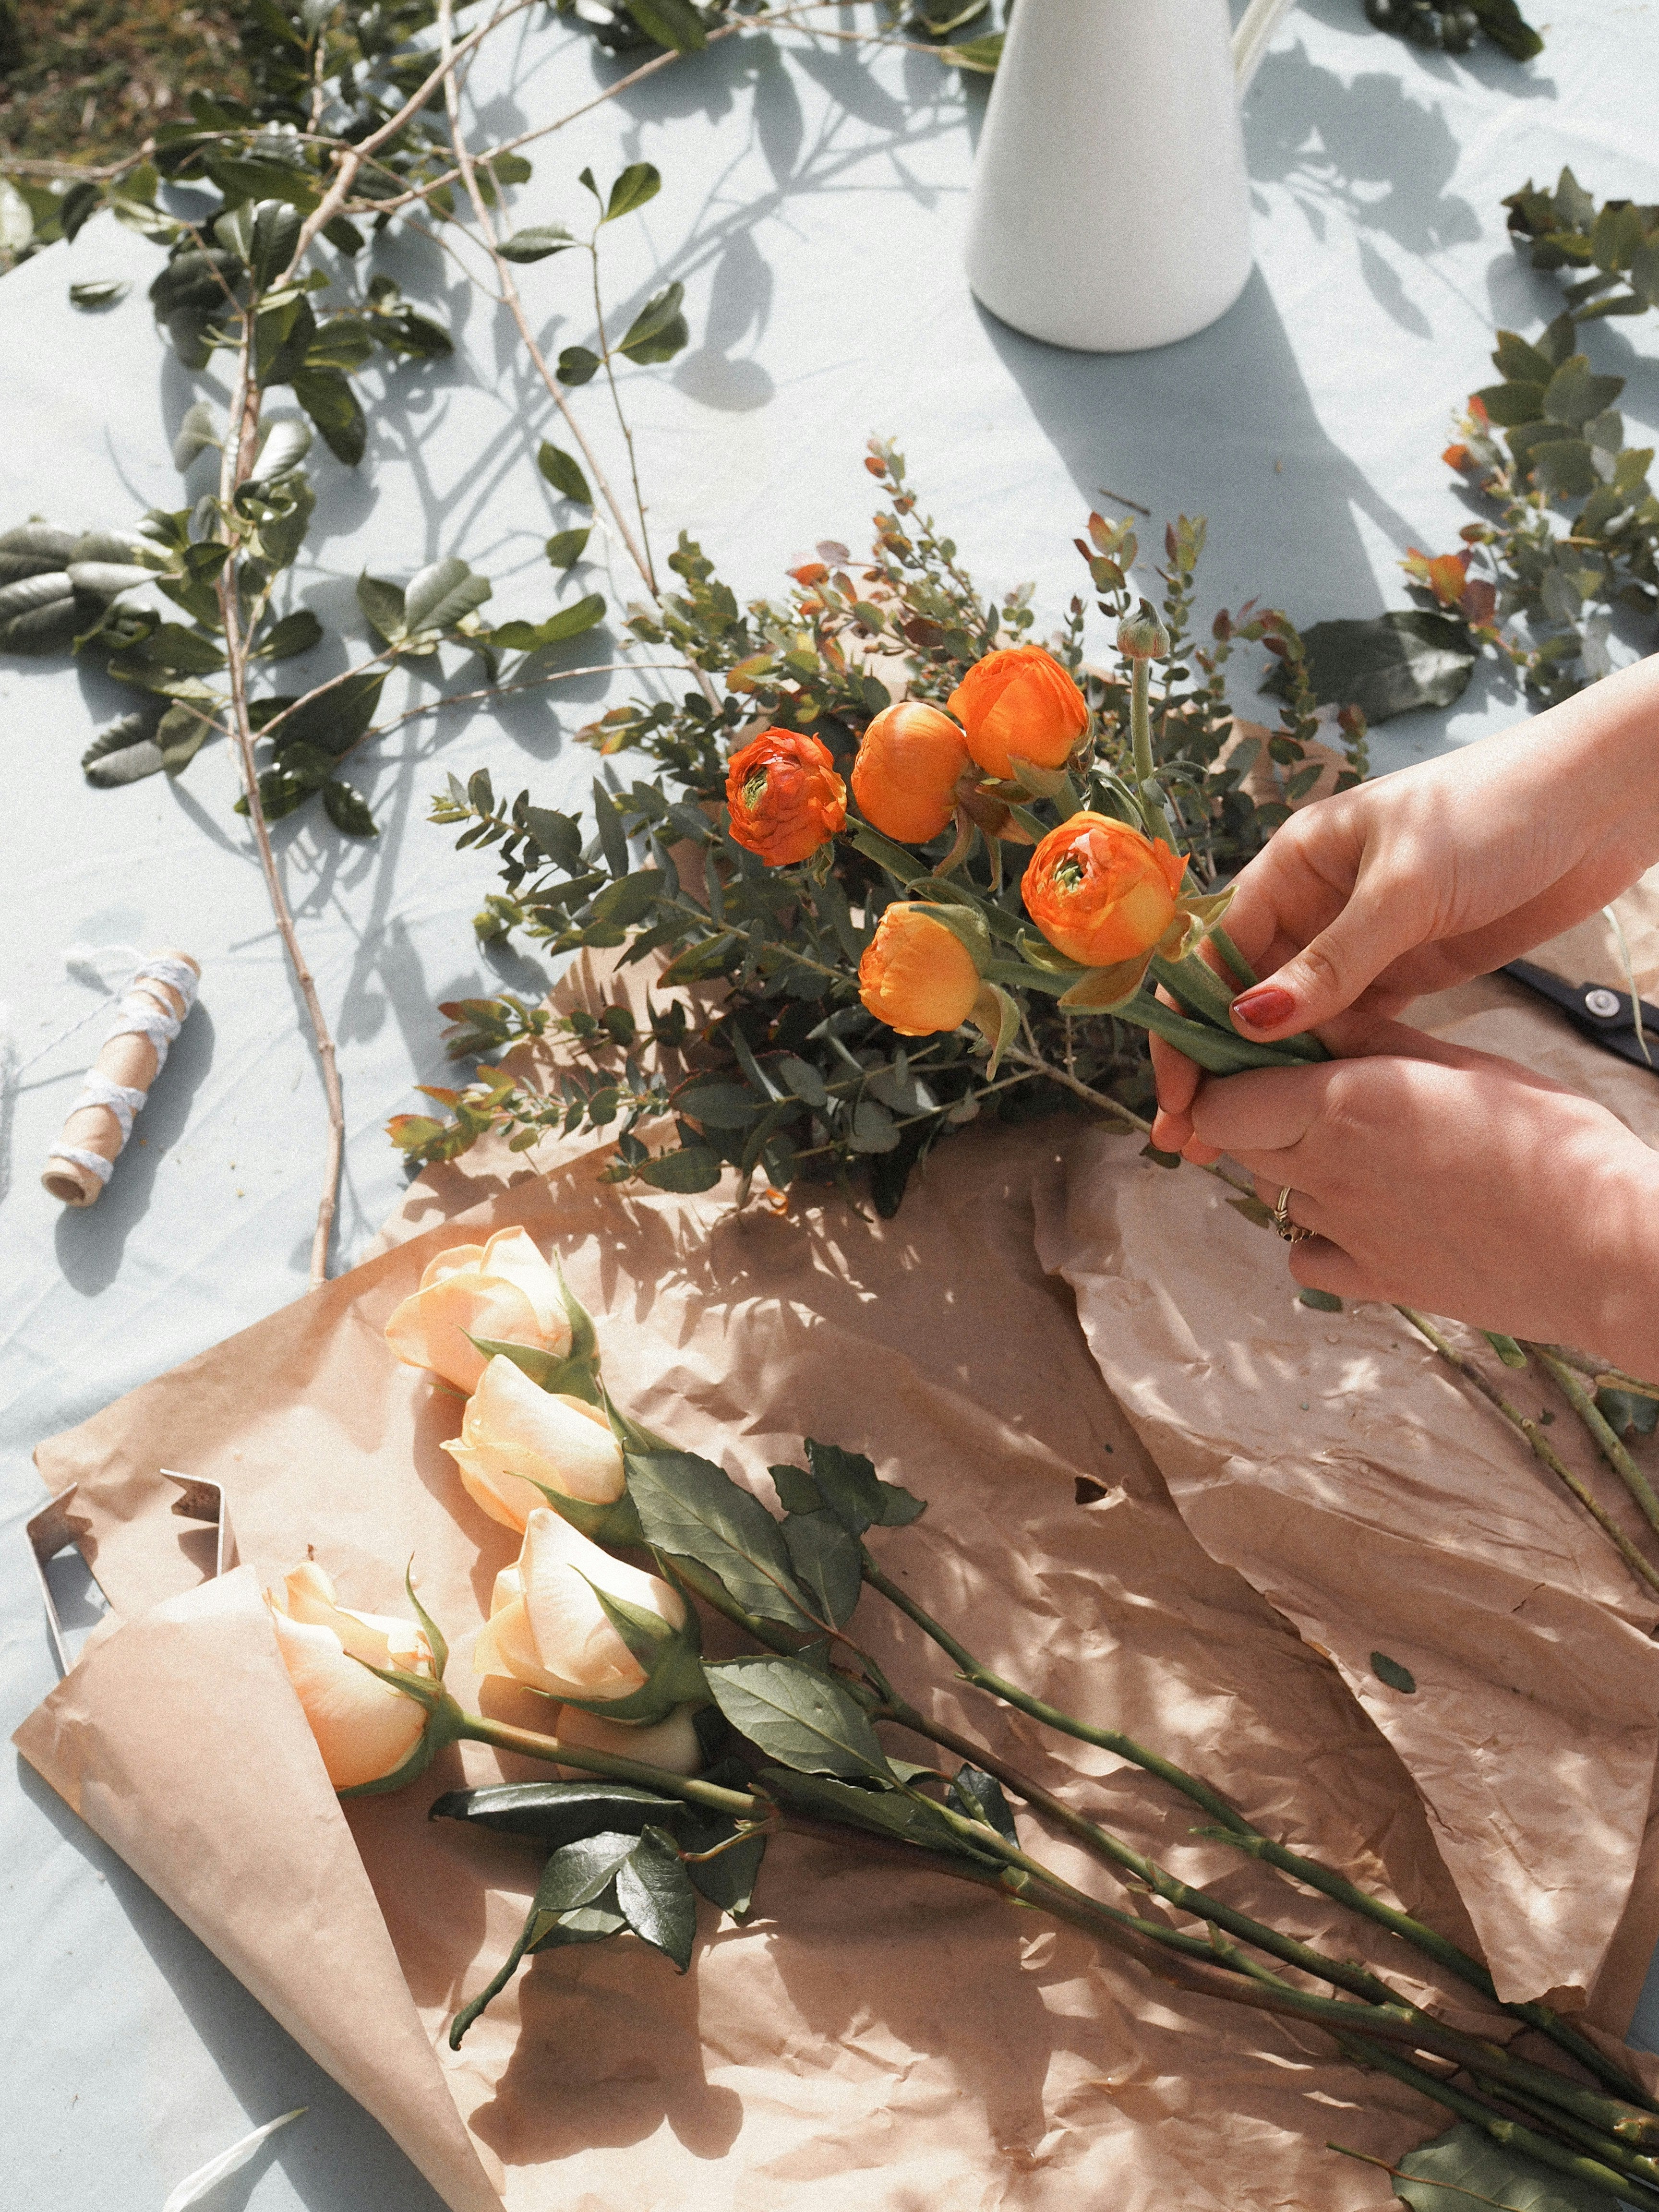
(875, 2038)
(1338, 1466)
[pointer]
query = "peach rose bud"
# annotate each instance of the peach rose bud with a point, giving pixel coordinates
(366, 1729)
(547, 1627)
(905, 776)
(515, 1434)
(503, 1291)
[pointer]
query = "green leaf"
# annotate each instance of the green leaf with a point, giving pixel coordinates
(347, 810)
(1511, 403)
(720, 1105)
(436, 596)
(295, 634)
(1465, 2162)
(637, 184)
(1573, 394)
(343, 342)
(1320, 1301)
(276, 233)
(797, 1491)
(1391, 1672)
(1565, 468)
(334, 720)
(660, 330)
(825, 1559)
(980, 1796)
(1386, 665)
(536, 242)
(564, 472)
(1504, 25)
(655, 1897)
(566, 547)
(979, 55)
(1515, 359)
(533, 637)
(333, 406)
(1625, 1412)
(848, 1485)
(690, 1509)
(568, 1906)
(673, 23)
(182, 732)
(689, 1168)
(382, 603)
(613, 839)
(799, 1715)
(98, 292)
(728, 1879)
(558, 1813)
(124, 751)
(577, 365)
(886, 1812)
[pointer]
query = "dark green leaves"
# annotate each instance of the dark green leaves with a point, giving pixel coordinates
(329, 401)
(124, 750)
(276, 233)
(1391, 1672)
(577, 365)
(594, 1888)
(566, 547)
(537, 243)
(637, 184)
(673, 23)
(826, 1561)
(659, 331)
(847, 1484)
(799, 1715)
(564, 472)
(980, 1796)
(688, 1167)
(690, 1509)
(98, 293)
(1388, 665)
(532, 637)
(1574, 395)
(295, 633)
(334, 720)
(558, 1813)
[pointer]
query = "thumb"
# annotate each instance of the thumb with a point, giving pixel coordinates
(1324, 979)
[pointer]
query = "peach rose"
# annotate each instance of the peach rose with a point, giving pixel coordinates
(784, 796)
(916, 975)
(546, 1626)
(515, 1434)
(1100, 891)
(366, 1729)
(905, 776)
(1019, 704)
(503, 1291)
(671, 1744)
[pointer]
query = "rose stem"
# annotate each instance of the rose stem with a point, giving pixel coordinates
(1602, 1431)
(1542, 1448)
(1239, 1833)
(505, 1737)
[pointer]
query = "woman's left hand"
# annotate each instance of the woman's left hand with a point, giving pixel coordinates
(1458, 1182)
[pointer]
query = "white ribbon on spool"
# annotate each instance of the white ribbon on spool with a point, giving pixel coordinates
(145, 1010)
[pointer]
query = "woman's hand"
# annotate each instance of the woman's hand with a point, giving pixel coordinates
(1450, 1180)
(1362, 902)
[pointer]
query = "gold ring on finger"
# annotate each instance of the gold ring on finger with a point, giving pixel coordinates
(1289, 1229)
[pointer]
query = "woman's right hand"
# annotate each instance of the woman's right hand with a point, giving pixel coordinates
(1362, 902)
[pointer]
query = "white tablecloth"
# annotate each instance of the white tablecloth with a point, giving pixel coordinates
(813, 203)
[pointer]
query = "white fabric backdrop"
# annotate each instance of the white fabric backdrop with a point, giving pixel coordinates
(813, 203)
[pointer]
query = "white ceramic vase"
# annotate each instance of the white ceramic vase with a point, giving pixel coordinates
(1111, 207)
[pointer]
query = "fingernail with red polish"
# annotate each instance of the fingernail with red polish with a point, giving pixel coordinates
(1264, 1008)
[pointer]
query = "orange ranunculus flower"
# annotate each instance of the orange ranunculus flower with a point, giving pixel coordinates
(1100, 891)
(785, 797)
(1019, 704)
(905, 775)
(916, 975)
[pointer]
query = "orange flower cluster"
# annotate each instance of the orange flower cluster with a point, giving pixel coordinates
(916, 975)
(1019, 704)
(784, 796)
(1100, 891)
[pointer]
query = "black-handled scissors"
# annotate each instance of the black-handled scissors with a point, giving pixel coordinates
(1606, 1017)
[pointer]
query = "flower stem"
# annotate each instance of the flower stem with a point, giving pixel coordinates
(1602, 1431)
(740, 1803)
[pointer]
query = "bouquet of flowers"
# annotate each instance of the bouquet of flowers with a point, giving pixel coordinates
(687, 1766)
(983, 892)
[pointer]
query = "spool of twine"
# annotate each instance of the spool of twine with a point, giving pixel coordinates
(150, 1014)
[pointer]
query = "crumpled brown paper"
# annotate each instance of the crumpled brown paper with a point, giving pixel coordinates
(876, 2039)
(1339, 1466)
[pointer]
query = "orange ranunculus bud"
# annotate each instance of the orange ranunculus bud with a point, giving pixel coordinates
(905, 775)
(916, 975)
(1019, 705)
(1100, 891)
(785, 797)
